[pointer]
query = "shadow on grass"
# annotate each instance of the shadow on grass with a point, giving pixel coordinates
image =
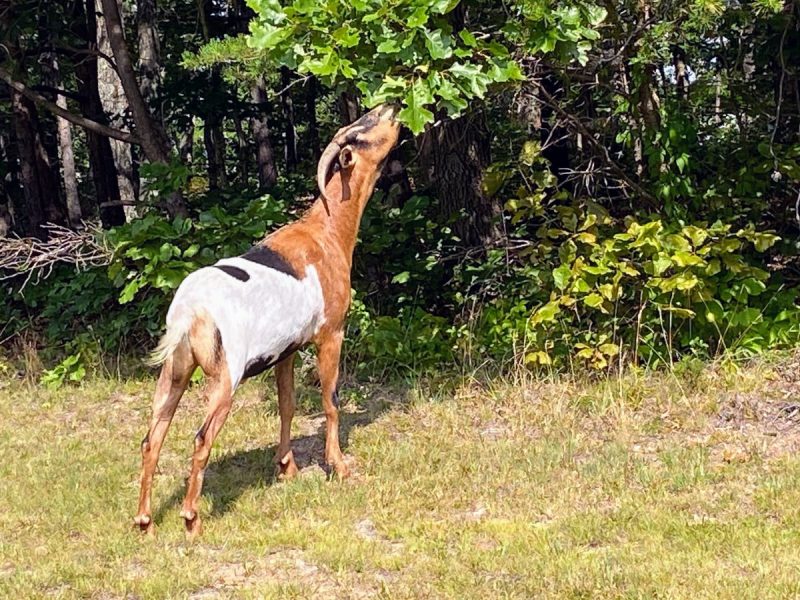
(227, 478)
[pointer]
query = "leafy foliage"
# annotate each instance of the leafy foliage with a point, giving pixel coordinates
(406, 51)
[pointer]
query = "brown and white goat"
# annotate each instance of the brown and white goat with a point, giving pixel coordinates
(242, 315)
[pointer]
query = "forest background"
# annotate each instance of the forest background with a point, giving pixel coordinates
(581, 185)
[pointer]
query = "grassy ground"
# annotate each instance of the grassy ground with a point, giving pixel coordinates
(637, 487)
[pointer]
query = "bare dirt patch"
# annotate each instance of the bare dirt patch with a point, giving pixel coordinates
(283, 568)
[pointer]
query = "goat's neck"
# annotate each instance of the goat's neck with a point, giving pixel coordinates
(341, 220)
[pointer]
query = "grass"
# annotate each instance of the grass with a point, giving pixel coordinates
(642, 486)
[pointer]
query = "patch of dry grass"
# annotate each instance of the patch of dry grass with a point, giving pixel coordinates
(638, 486)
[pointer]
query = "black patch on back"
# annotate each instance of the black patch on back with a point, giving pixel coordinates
(267, 257)
(234, 272)
(261, 363)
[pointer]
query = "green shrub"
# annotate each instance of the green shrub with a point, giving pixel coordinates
(649, 290)
(577, 288)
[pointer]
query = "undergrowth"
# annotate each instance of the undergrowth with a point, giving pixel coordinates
(572, 287)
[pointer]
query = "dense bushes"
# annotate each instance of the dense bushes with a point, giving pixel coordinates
(573, 286)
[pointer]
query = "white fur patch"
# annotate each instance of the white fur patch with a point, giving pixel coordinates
(256, 318)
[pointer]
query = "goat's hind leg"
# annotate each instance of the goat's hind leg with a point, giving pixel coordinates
(219, 395)
(172, 382)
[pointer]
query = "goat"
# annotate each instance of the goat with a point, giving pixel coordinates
(243, 315)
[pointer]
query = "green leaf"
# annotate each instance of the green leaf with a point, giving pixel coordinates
(609, 349)
(439, 47)
(129, 291)
(443, 7)
(561, 276)
(451, 97)
(754, 287)
(471, 77)
(763, 241)
(594, 300)
(697, 235)
(467, 38)
(415, 115)
(418, 18)
(346, 36)
(546, 313)
(401, 277)
(264, 36)
(661, 263)
(389, 46)
(685, 258)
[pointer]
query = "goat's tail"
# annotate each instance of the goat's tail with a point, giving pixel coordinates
(177, 332)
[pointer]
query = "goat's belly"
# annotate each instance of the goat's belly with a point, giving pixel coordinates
(262, 314)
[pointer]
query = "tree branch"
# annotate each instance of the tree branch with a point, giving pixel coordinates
(154, 140)
(99, 128)
(56, 91)
(576, 123)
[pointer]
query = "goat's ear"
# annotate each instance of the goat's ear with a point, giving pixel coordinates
(346, 157)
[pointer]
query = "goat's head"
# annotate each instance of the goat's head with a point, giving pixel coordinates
(363, 145)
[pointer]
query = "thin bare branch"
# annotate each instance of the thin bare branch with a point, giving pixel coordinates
(35, 259)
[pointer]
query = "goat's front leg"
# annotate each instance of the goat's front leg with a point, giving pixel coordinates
(328, 351)
(284, 377)
(219, 404)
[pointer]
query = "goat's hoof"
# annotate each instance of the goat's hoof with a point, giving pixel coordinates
(341, 469)
(286, 468)
(193, 527)
(145, 524)
(192, 522)
(188, 515)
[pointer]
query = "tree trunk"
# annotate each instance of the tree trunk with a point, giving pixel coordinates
(186, 144)
(214, 141)
(67, 155)
(64, 136)
(115, 105)
(101, 159)
(39, 184)
(289, 129)
(648, 101)
(313, 127)
(6, 222)
(553, 135)
(348, 107)
(8, 182)
(149, 54)
(267, 172)
(155, 143)
(242, 152)
(456, 154)
(681, 81)
(63, 153)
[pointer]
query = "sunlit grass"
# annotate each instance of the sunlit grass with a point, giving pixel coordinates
(630, 487)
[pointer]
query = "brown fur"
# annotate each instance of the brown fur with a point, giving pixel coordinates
(325, 237)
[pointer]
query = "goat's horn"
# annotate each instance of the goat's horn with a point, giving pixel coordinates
(326, 162)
